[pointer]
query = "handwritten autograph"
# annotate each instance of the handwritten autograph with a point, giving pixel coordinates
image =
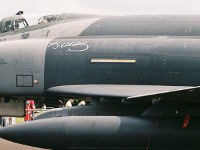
(75, 46)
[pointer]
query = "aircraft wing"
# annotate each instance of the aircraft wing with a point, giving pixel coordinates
(123, 91)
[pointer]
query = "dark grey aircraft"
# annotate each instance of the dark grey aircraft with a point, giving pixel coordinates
(142, 73)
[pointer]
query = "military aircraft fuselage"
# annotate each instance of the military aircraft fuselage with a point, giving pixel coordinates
(32, 66)
(92, 25)
(146, 67)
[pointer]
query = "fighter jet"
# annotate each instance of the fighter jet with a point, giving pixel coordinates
(61, 26)
(142, 72)
(50, 26)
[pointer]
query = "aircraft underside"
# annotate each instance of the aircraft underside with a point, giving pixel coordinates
(111, 123)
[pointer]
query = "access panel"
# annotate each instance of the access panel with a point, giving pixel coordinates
(24, 81)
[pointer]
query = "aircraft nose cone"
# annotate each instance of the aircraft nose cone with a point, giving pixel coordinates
(80, 132)
(9, 133)
(3, 133)
(41, 133)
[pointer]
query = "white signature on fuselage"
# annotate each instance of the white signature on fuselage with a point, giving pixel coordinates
(75, 46)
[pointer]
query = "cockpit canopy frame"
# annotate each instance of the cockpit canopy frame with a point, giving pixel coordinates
(13, 23)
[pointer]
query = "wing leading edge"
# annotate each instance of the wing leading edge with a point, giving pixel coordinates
(123, 91)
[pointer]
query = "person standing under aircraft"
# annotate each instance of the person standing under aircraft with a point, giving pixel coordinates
(82, 103)
(28, 111)
(32, 106)
(69, 103)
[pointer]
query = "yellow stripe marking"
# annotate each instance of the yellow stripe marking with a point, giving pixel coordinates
(105, 60)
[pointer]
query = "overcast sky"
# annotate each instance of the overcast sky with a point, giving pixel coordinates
(114, 7)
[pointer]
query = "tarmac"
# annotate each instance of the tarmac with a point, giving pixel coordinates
(6, 145)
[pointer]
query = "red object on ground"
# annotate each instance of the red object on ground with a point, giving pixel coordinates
(186, 121)
(28, 113)
(32, 102)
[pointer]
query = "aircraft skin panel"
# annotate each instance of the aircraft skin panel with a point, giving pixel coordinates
(145, 25)
(22, 67)
(172, 62)
(125, 61)
(70, 29)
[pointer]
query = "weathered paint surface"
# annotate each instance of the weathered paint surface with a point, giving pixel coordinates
(22, 62)
(157, 61)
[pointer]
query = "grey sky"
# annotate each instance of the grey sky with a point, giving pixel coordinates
(118, 7)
